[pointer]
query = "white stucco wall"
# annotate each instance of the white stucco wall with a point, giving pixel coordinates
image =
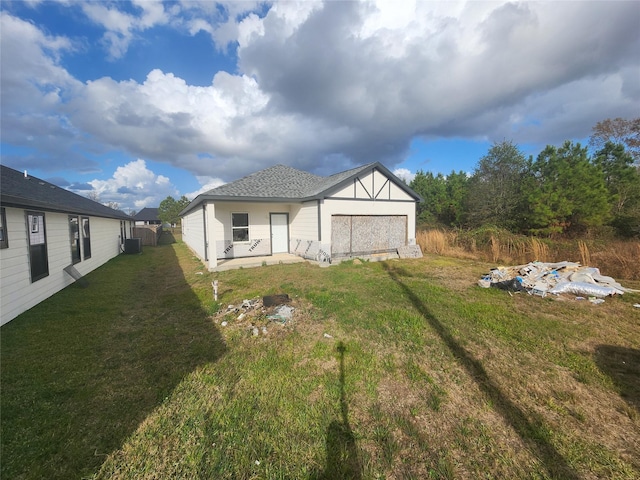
(18, 293)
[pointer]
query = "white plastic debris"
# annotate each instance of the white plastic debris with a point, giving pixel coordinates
(224, 324)
(539, 278)
(326, 335)
(585, 288)
(284, 311)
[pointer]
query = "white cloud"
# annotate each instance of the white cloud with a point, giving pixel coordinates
(121, 27)
(404, 174)
(134, 186)
(207, 183)
(326, 86)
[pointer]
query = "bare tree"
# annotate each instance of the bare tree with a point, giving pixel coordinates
(617, 131)
(93, 195)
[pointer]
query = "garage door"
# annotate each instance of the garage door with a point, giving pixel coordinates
(354, 235)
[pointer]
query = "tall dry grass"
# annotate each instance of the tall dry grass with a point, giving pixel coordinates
(433, 241)
(585, 255)
(495, 248)
(617, 258)
(539, 250)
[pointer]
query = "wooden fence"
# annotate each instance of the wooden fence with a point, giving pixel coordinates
(148, 233)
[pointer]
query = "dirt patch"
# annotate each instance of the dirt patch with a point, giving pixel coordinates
(275, 320)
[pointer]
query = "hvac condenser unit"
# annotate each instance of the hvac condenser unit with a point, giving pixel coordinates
(133, 245)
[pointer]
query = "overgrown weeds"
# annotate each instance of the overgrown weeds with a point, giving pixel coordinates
(616, 258)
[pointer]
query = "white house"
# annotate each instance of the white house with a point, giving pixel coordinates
(359, 212)
(45, 229)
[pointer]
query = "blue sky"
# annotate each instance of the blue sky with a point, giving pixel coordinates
(134, 101)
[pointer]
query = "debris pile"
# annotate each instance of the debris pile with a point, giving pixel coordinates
(538, 278)
(257, 314)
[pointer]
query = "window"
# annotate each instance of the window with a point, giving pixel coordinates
(37, 246)
(74, 238)
(86, 238)
(4, 240)
(123, 231)
(240, 227)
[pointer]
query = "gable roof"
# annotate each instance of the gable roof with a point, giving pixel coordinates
(25, 191)
(281, 183)
(147, 214)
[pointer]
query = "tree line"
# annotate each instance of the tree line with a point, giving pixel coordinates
(564, 190)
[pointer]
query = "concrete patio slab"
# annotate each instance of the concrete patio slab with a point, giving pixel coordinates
(250, 262)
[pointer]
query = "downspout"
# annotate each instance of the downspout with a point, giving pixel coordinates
(204, 230)
(319, 222)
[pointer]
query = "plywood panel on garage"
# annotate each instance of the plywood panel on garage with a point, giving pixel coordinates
(353, 235)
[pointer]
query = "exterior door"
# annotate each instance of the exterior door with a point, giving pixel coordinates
(279, 233)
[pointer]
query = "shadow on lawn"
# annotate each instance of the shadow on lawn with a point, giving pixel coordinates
(532, 434)
(343, 457)
(83, 369)
(622, 365)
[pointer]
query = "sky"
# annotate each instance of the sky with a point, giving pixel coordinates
(134, 101)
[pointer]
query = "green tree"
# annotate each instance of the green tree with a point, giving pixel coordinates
(457, 185)
(432, 189)
(443, 197)
(494, 195)
(169, 209)
(565, 192)
(622, 180)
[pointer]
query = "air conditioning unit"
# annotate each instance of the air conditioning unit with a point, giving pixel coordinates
(133, 245)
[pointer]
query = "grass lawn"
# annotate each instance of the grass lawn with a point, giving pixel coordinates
(398, 369)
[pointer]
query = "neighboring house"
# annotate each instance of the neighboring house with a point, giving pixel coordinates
(360, 212)
(45, 229)
(147, 216)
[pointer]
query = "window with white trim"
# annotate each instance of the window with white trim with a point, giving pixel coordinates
(86, 238)
(4, 239)
(240, 227)
(74, 238)
(38, 259)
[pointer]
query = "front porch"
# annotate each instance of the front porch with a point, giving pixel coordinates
(250, 262)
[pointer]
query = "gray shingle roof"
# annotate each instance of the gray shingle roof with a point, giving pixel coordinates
(281, 183)
(16, 190)
(147, 214)
(278, 181)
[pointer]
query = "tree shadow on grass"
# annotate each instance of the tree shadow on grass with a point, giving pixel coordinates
(84, 368)
(342, 456)
(622, 365)
(533, 433)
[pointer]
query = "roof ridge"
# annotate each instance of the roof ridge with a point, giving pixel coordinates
(31, 191)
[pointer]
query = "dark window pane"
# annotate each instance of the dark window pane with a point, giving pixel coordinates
(240, 219)
(240, 234)
(86, 238)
